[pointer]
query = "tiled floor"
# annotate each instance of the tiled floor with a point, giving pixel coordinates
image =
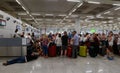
(64, 65)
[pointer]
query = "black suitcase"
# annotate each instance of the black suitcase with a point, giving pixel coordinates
(92, 51)
(102, 51)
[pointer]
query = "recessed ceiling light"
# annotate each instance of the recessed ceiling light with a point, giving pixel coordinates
(62, 15)
(23, 8)
(27, 12)
(70, 13)
(35, 13)
(74, 10)
(107, 12)
(116, 4)
(110, 17)
(80, 5)
(18, 2)
(93, 2)
(49, 14)
(117, 8)
(73, 0)
(22, 13)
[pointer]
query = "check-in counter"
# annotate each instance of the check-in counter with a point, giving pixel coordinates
(13, 47)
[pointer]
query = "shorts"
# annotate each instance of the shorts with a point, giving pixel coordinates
(64, 47)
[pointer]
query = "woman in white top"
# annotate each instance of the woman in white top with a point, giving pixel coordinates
(110, 45)
(58, 44)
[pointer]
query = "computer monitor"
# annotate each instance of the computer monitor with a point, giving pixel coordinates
(2, 22)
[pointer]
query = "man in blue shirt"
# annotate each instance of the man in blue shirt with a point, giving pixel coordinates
(75, 40)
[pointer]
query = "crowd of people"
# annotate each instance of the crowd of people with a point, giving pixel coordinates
(103, 44)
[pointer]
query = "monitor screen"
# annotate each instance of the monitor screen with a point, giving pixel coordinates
(2, 22)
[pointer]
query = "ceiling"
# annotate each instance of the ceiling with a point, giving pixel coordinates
(48, 13)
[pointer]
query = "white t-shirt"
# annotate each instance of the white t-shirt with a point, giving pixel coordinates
(118, 42)
(111, 41)
(58, 41)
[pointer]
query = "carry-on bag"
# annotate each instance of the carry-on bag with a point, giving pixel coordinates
(83, 51)
(69, 51)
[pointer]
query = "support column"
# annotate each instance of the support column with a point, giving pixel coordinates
(77, 25)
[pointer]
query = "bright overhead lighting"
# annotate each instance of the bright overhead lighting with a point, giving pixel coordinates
(110, 17)
(116, 4)
(74, 16)
(49, 14)
(61, 15)
(74, 10)
(73, 0)
(22, 14)
(35, 13)
(18, 2)
(80, 5)
(70, 13)
(23, 8)
(90, 16)
(107, 12)
(27, 12)
(117, 8)
(93, 2)
(30, 15)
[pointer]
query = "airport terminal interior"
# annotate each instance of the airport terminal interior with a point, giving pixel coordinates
(59, 36)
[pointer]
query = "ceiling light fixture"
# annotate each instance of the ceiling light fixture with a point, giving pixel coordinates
(70, 13)
(117, 8)
(73, 0)
(22, 14)
(93, 2)
(80, 4)
(18, 2)
(24, 8)
(74, 10)
(27, 12)
(61, 15)
(49, 14)
(116, 4)
(35, 13)
(110, 17)
(107, 12)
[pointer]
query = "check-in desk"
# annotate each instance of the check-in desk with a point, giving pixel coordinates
(13, 47)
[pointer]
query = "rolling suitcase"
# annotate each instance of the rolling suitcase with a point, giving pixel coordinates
(92, 51)
(83, 51)
(52, 50)
(69, 51)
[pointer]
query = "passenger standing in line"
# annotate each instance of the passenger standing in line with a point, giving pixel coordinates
(23, 35)
(75, 45)
(103, 43)
(44, 42)
(110, 45)
(33, 37)
(59, 44)
(118, 43)
(29, 39)
(64, 43)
